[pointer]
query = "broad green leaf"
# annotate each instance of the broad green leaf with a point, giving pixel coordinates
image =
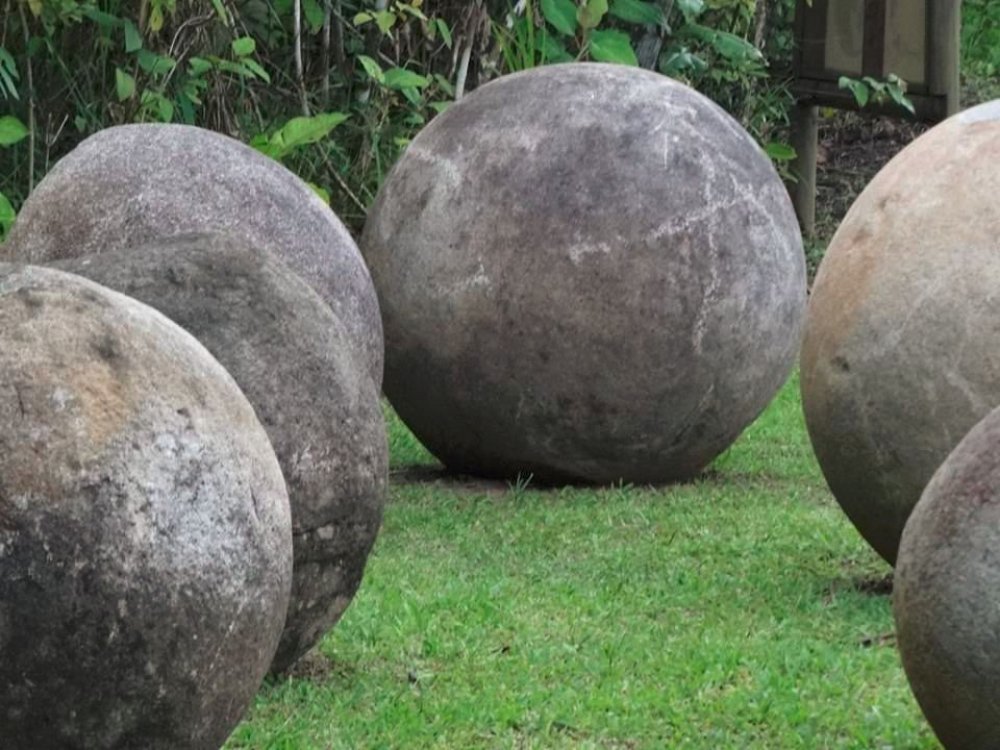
(371, 68)
(220, 11)
(302, 130)
(244, 46)
(234, 66)
(678, 63)
(35, 6)
(133, 40)
(7, 216)
(155, 22)
(442, 27)
(636, 11)
(444, 84)
(591, 13)
(324, 195)
(385, 20)
(612, 46)
(858, 88)
(313, 13)
(899, 96)
(561, 14)
(199, 66)
(266, 146)
(780, 151)
(412, 95)
(158, 105)
(154, 64)
(728, 45)
(691, 9)
(551, 50)
(412, 10)
(102, 19)
(8, 75)
(12, 130)
(362, 18)
(254, 67)
(400, 78)
(124, 85)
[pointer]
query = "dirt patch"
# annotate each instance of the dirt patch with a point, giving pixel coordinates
(853, 147)
(875, 586)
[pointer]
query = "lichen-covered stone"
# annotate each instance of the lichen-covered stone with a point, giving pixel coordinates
(945, 593)
(132, 184)
(292, 358)
(586, 272)
(145, 534)
(902, 346)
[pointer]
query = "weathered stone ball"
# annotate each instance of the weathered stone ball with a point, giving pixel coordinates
(293, 359)
(588, 273)
(902, 345)
(131, 184)
(945, 593)
(145, 534)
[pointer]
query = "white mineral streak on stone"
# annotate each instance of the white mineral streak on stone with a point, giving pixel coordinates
(580, 249)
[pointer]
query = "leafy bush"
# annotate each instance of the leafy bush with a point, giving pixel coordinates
(981, 37)
(283, 74)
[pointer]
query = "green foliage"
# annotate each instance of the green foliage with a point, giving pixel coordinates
(723, 614)
(12, 131)
(981, 37)
(868, 89)
(385, 66)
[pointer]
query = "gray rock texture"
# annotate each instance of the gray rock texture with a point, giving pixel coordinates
(587, 272)
(292, 358)
(945, 594)
(131, 184)
(145, 533)
(902, 344)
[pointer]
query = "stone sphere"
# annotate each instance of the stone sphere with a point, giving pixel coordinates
(292, 358)
(902, 345)
(145, 534)
(945, 593)
(587, 273)
(131, 184)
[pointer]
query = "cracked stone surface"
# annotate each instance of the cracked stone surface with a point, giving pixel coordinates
(902, 346)
(586, 272)
(944, 594)
(145, 533)
(292, 357)
(132, 184)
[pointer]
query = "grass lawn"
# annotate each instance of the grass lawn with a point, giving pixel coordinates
(739, 611)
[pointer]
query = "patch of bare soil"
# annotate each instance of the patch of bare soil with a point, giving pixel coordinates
(853, 147)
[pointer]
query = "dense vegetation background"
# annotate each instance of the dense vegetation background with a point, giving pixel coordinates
(282, 74)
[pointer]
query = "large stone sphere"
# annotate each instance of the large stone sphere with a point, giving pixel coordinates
(587, 273)
(131, 184)
(145, 535)
(902, 344)
(945, 593)
(292, 358)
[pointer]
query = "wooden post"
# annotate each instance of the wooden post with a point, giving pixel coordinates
(945, 23)
(805, 132)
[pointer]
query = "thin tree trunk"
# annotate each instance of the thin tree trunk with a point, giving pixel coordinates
(299, 73)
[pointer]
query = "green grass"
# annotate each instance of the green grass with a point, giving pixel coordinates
(726, 613)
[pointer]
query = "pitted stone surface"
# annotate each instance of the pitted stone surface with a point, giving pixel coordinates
(586, 272)
(292, 358)
(133, 184)
(945, 593)
(902, 347)
(145, 534)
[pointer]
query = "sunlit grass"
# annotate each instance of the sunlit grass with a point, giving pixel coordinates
(726, 613)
